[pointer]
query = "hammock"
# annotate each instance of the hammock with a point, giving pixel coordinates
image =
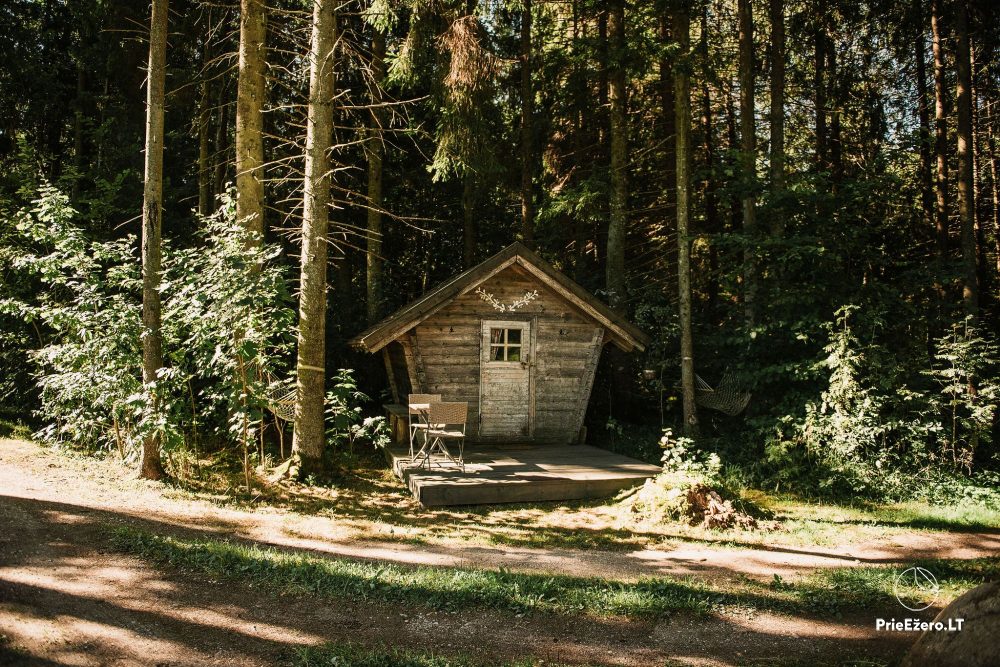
(279, 397)
(727, 397)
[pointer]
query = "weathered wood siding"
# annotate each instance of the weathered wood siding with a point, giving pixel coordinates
(397, 361)
(446, 350)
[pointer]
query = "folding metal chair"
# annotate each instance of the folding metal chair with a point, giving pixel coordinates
(446, 422)
(417, 407)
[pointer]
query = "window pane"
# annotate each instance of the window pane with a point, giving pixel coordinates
(514, 336)
(496, 353)
(514, 353)
(496, 335)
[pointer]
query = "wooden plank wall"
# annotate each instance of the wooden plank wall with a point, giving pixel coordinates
(397, 360)
(446, 347)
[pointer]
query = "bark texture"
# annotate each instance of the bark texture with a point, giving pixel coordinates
(777, 112)
(152, 209)
(376, 155)
(748, 161)
(615, 267)
(924, 118)
(713, 221)
(308, 436)
(940, 139)
(819, 90)
(206, 194)
(250, 119)
(682, 97)
(966, 199)
(669, 138)
(527, 129)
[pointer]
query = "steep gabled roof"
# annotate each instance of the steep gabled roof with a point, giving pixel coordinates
(623, 333)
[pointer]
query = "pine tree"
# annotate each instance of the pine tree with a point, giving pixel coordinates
(249, 117)
(308, 438)
(375, 150)
(152, 214)
(966, 187)
(682, 100)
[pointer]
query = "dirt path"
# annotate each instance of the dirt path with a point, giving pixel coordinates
(66, 600)
(30, 471)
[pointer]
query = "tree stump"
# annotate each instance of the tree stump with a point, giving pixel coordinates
(976, 645)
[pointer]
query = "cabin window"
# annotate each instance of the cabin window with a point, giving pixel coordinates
(505, 344)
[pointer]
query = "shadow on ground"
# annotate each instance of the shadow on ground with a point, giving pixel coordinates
(66, 600)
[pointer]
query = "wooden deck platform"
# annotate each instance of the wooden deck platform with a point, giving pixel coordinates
(521, 473)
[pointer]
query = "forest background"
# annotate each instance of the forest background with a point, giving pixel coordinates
(802, 194)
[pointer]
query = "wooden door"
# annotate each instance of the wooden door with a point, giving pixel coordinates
(505, 383)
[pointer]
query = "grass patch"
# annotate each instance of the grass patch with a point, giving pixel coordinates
(349, 655)
(14, 429)
(915, 514)
(825, 592)
(436, 587)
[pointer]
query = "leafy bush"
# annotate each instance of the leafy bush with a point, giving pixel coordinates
(680, 457)
(892, 435)
(228, 328)
(226, 325)
(688, 475)
(346, 423)
(88, 367)
(966, 362)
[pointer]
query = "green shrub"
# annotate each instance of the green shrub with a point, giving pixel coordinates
(89, 322)
(876, 433)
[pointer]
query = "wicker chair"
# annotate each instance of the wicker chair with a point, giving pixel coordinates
(417, 418)
(447, 422)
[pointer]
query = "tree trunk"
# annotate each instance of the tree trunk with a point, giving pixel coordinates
(221, 140)
(835, 146)
(615, 267)
(777, 115)
(600, 118)
(713, 223)
(748, 162)
(682, 100)
(250, 119)
(204, 126)
(204, 151)
(732, 145)
(940, 142)
(581, 136)
(994, 189)
(982, 275)
(923, 114)
(308, 437)
(376, 155)
(468, 219)
(78, 113)
(666, 71)
(152, 209)
(966, 205)
(527, 129)
(819, 88)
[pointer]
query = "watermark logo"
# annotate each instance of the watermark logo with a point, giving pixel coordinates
(916, 588)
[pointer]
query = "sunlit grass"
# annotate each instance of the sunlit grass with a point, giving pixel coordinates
(369, 503)
(824, 592)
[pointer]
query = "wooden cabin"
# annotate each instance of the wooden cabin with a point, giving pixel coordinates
(514, 337)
